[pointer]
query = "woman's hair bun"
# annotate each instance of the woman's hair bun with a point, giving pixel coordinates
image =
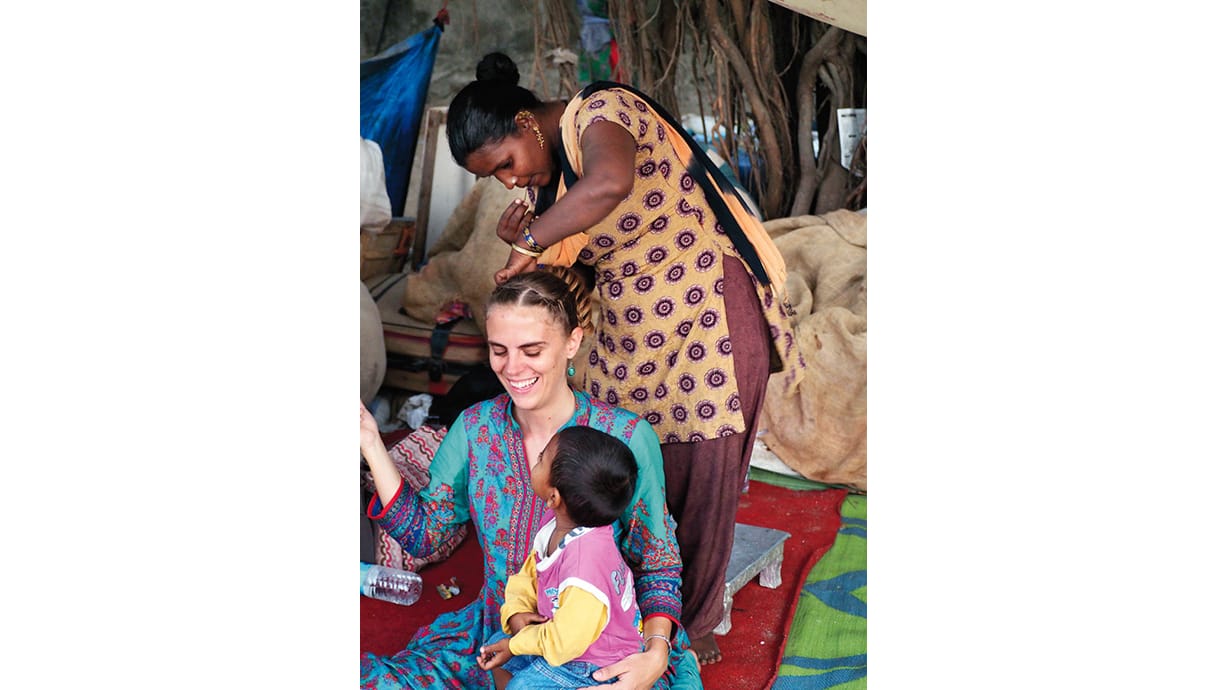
(498, 67)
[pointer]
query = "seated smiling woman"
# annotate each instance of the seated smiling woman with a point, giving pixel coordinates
(481, 474)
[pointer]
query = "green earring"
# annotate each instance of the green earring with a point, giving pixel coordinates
(570, 369)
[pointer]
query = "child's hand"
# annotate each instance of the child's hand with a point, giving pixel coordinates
(494, 655)
(519, 620)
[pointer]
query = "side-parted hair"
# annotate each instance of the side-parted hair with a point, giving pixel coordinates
(594, 473)
(484, 111)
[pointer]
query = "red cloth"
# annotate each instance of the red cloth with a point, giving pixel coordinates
(761, 617)
(386, 628)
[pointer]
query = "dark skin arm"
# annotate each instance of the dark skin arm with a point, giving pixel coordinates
(609, 176)
(512, 222)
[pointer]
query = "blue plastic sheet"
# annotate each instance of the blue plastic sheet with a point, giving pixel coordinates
(394, 86)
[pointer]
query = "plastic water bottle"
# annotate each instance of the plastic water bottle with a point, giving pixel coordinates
(391, 584)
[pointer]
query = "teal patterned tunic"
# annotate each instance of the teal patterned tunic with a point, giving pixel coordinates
(480, 474)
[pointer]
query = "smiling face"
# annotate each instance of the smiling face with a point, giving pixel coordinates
(516, 160)
(529, 350)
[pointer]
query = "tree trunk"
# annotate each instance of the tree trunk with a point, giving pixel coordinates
(771, 201)
(833, 187)
(807, 83)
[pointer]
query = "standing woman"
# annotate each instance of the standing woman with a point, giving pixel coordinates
(693, 315)
(481, 474)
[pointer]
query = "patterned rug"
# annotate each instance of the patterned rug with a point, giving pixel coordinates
(826, 643)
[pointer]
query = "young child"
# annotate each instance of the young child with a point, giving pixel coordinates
(571, 609)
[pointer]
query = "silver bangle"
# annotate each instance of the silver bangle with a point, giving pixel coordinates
(666, 639)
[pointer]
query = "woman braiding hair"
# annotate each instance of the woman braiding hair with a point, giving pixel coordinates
(693, 315)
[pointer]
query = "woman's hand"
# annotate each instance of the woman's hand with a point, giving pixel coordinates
(369, 429)
(516, 263)
(383, 471)
(635, 672)
(511, 224)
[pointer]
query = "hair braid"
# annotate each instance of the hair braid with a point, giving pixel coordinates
(558, 289)
(580, 292)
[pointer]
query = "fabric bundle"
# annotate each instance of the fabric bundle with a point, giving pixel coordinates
(821, 433)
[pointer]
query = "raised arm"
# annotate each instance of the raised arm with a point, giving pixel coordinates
(383, 470)
(420, 521)
(608, 177)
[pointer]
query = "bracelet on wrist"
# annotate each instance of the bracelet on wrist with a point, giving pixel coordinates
(530, 240)
(666, 639)
(524, 251)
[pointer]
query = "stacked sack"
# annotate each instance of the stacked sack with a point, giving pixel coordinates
(821, 431)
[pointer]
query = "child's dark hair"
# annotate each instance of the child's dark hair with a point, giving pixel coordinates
(594, 473)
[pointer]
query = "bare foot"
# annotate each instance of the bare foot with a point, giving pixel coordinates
(706, 649)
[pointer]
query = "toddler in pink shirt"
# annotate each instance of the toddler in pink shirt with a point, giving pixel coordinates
(572, 608)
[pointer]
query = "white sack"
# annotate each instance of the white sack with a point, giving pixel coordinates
(376, 207)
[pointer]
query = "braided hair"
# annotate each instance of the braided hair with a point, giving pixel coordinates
(558, 289)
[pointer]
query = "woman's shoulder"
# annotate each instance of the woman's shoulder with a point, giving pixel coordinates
(610, 92)
(484, 412)
(614, 101)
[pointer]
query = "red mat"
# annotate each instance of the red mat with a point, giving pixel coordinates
(387, 627)
(760, 617)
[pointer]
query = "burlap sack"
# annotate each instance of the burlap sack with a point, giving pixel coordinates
(463, 260)
(825, 257)
(821, 431)
(376, 208)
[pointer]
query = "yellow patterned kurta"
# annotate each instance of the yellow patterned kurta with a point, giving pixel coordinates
(662, 346)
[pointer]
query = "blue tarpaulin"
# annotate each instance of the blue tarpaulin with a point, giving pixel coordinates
(394, 86)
